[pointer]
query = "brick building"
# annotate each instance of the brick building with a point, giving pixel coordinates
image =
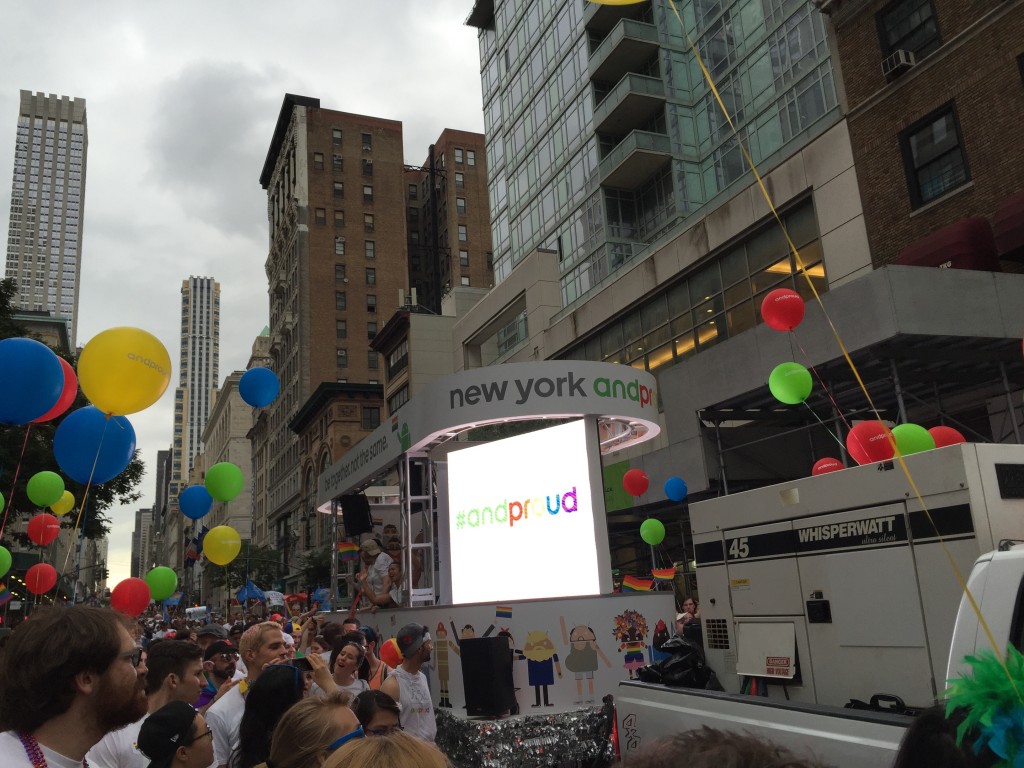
(934, 98)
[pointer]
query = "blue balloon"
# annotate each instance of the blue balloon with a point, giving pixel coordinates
(31, 380)
(88, 436)
(675, 489)
(195, 501)
(259, 387)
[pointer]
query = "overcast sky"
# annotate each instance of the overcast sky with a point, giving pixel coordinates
(181, 100)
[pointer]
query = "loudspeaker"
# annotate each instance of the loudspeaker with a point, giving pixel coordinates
(355, 514)
(487, 676)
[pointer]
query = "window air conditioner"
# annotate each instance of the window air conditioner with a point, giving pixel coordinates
(898, 63)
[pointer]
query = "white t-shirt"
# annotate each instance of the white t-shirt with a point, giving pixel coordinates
(417, 708)
(224, 717)
(377, 572)
(12, 754)
(117, 749)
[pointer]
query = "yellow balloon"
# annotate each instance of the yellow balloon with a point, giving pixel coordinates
(222, 544)
(64, 504)
(124, 370)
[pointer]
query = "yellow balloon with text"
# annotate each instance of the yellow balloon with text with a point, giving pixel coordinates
(124, 370)
(222, 544)
(64, 504)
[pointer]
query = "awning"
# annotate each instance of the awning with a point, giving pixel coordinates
(964, 244)
(1008, 227)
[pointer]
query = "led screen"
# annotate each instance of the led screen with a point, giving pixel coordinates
(521, 518)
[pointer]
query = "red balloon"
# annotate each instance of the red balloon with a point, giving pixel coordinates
(130, 597)
(826, 465)
(390, 653)
(870, 441)
(43, 529)
(67, 395)
(40, 578)
(782, 309)
(635, 482)
(946, 436)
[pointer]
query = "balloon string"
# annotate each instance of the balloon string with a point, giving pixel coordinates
(825, 388)
(14, 483)
(827, 429)
(85, 496)
(961, 580)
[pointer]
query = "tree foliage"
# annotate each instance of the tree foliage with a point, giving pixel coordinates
(263, 565)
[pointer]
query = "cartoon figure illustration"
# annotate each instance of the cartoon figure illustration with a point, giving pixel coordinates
(466, 633)
(541, 660)
(582, 657)
(441, 645)
(660, 636)
(631, 630)
(503, 632)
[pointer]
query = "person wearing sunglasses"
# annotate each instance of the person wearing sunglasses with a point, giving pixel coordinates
(176, 736)
(278, 688)
(313, 729)
(220, 663)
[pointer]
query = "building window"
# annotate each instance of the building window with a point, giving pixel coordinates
(397, 400)
(463, 235)
(371, 360)
(371, 276)
(339, 218)
(908, 25)
(470, 157)
(320, 215)
(342, 331)
(368, 222)
(338, 163)
(370, 249)
(460, 180)
(463, 258)
(367, 193)
(458, 155)
(367, 167)
(371, 331)
(339, 300)
(339, 246)
(339, 271)
(413, 190)
(339, 189)
(933, 156)
(343, 358)
(465, 280)
(370, 417)
(336, 136)
(460, 204)
(367, 141)
(414, 213)
(371, 303)
(318, 161)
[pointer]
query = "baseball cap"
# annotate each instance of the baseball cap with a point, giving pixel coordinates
(220, 646)
(411, 637)
(212, 630)
(164, 731)
(371, 547)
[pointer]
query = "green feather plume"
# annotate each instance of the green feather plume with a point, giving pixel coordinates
(992, 690)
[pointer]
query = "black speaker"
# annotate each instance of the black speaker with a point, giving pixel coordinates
(487, 676)
(355, 514)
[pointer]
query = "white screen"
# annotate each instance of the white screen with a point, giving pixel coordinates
(505, 543)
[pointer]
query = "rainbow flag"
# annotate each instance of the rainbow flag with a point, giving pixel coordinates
(5, 594)
(502, 612)
(634, 584)
(664, 574)
(348, 550)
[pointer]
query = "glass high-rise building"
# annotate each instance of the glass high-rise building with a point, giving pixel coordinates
(605, 141)
(44, 239)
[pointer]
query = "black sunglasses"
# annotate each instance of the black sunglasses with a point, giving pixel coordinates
(134, 656)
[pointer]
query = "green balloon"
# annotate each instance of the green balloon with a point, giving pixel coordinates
(790, 383)
(45, 488)
(162, 582)
(5, 561)
(652, 531)
(3, 502)
(224, 481)
(912, 438)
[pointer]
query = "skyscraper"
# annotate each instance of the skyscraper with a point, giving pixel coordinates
(44, 241)
(141, 542)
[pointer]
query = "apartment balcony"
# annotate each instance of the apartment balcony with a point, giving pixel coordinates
(635, 160)
(632, 103)
(602, 18)
(629, 48)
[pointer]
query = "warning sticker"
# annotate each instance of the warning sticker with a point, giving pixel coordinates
(739, 583)
(778, 666)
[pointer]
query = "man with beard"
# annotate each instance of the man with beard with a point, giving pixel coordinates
(68, 677)
(408, 685)
(175, 673)
(220, 662)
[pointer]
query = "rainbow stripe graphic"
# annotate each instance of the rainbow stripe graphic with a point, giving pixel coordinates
(635, 584)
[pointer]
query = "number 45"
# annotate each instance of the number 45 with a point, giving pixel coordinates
(738, 548)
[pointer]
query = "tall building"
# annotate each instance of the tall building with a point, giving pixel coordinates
(337, 261)
(141, 542)
(44, 239)
(448, 218)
